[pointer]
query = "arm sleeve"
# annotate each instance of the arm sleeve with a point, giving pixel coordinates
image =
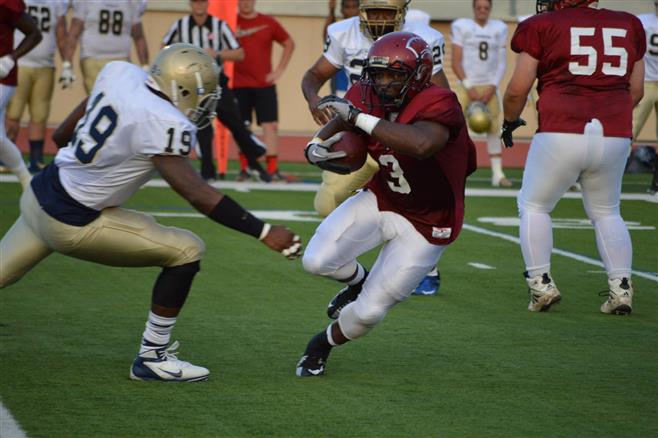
(229, 42)
(172, 35)
(438, 48)
(160, 136)
(502, 56)
(456, 34)
(279, 34)
(526, 39)
(333, 50)
(79, 9)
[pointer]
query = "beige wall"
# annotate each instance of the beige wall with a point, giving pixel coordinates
(293, 111)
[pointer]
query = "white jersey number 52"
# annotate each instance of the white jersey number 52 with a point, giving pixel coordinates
(621, 66)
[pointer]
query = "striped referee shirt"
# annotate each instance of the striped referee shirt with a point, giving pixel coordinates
(214, 33)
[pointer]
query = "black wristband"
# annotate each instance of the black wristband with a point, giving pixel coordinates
(229, 213)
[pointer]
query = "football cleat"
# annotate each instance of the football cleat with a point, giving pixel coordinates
(310, 366)
(342, 299)
(543, 292)
(162, 365)
(428, 286)
(501, 182)
(620, 297)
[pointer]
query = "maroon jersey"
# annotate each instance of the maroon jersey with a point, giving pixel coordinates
(428, 192)
(10, 11)
(586, 57)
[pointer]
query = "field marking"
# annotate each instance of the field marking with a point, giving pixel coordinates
(313, 187)
(569, 254)
(9, 427)
(480, 265)
(563, 223)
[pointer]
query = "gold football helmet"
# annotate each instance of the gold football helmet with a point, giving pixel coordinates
(478, 117)
(189, 77)
(375, 26)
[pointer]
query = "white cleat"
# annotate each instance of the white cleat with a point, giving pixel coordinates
(543, 292)
(501, 182)
(620, 297)
(163, 365)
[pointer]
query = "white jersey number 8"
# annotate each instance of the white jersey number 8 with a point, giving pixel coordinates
(608, 50)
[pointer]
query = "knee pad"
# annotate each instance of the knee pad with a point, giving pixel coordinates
(356, 323)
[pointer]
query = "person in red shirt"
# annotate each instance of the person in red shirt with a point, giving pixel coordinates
(254, 79)
(413, 205)
(12, 17)
(590, 69)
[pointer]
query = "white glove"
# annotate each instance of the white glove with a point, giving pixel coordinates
(7, 63)
(67, 77)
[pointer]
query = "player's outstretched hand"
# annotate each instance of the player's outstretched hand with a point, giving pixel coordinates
(508, 128)
(342, 107)
(282, 239)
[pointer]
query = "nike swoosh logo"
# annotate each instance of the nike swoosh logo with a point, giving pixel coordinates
(315, 154)
(177, 374)
(314, 372)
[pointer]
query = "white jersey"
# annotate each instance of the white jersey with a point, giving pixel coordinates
(650, 24)
(484, 49)
(107, 26)
(125, 124)
(347, 47)
(45, 13)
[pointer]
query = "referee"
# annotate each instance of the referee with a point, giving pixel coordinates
(215, 36)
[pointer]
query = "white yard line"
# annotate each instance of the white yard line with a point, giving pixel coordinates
(9, 427)
(569, 254)
(480, 265)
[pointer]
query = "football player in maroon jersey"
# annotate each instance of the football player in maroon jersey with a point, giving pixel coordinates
(414, 203)
(589, 65)
(12, 17)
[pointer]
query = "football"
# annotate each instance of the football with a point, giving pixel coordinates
(355, 146)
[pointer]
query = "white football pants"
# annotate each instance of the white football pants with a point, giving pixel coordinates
(9, 153)
(355, 227)
(557, 161)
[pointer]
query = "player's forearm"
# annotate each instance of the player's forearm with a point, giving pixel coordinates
(410, 140)
(513, 104)
(311, 84)
(62, 135)
(32, 34)
(60, 36)
(232, 54)
(71, 41)
(286, 54)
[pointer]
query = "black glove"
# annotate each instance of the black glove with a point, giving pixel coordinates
(318, 153)
(508, 128)
(342, 107)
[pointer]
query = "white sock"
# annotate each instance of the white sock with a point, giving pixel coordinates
(615, 247)
(360, 273)
(536, 235)
(12, 158)
(496, 168)
(157, 333)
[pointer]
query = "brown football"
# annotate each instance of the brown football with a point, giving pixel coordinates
(355, 146)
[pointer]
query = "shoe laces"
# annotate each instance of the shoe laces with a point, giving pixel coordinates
(171, 352)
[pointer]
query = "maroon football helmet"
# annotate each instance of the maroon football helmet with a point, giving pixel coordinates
(554, 5)
(399, 52)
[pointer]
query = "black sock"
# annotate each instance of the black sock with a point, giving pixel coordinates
(36, 152)
(319, 346)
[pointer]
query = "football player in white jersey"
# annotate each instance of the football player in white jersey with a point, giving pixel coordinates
(132, 125)
(105, 29)
(650, 100)
(478, 59)
(346, 47)
(36, 76)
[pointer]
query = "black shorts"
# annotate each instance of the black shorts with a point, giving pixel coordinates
(262, 100)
